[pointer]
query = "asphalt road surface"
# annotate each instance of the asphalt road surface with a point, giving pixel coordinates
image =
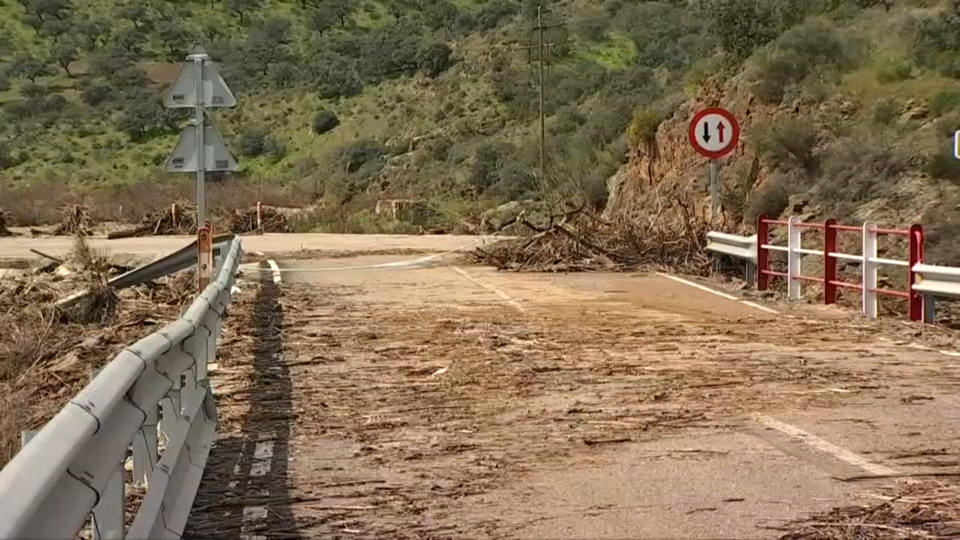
(396, 397)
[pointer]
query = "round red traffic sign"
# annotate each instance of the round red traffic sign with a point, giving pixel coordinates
(714, 132)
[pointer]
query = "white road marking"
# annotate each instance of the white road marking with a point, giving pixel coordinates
(262, 463)
(826, 447)
(502, 295)
(276, 271)
(721, 294)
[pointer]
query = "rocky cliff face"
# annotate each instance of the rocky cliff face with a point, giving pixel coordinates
(671, 167)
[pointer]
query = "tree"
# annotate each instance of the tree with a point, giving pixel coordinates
(64, 53)
(55, 28)
(94, 33)
(741, 25)
(269, 43)
(137, 13)
(434, 58)
(341, 9)
(130, 40)
(320, 20)
(334, 75)
(441, 14)
(175, 37)
(26, 67)
(242, 7)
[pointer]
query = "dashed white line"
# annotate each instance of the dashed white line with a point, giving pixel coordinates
(502, 295)
(276, 271)
(826, 447)
(720, 294)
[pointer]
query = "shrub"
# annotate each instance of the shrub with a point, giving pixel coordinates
(811, 52)
(787, 142)
(324, 122)
(857, 168)
(771, 199)
(894, 70)
(643, 127)
(434, 58)
(253, 142)
(944, 165)
(885, 111)
(357, 154)
(945, 101)
(936, 41)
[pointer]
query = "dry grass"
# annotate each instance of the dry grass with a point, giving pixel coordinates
(41, 203)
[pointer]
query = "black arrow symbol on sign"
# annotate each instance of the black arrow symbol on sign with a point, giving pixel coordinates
(706, 131)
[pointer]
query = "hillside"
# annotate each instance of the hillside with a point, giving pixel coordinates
(846, 103)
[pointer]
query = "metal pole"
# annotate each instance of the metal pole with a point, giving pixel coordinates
(714, 190)
(543, 175)
(198, 60)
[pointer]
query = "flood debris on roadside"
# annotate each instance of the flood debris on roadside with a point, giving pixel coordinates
(47, 354)
(271, 220)
(76, 221)
(178, 218)
(906, 511)
(4, 231)
(581, 240)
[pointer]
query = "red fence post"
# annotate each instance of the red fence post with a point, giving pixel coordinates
(829, 263)
(763, 263)
(916, 257)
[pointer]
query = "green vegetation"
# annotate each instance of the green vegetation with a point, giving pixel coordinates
(343, 102)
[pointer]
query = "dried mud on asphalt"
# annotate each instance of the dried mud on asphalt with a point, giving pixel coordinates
(341, 418)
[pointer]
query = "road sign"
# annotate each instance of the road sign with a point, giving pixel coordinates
(183, 93)
(956, 145)
(216, 156)
(714, 132)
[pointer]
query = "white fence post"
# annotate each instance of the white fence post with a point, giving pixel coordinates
(869, 270)
(794, 258)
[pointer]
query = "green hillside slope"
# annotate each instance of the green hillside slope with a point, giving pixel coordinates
(343, 102)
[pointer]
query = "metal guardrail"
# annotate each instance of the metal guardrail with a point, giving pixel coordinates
(935, 282)
(179, 260)
(739, 247)
(73, 468)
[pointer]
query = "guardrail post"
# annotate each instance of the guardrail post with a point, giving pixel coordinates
(829, 262)
(763, 262)
(145, 453)
(916, 257)
(794, 258)
(170, 406)
(107, 517)
(869, 270)
(26, 436)
(205, 250)
(929, 309)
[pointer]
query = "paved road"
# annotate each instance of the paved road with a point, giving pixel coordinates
(19, 246)
(377, 400)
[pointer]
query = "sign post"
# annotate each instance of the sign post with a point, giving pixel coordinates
(200, 148)
(714, 133)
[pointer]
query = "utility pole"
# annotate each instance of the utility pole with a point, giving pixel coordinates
(543, 134)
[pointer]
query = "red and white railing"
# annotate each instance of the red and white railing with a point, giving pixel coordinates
(868, 258)
(925, 282)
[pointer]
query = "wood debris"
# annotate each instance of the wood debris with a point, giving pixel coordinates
(272, 221)
(580, 240)
(908, 511)
(76, 221)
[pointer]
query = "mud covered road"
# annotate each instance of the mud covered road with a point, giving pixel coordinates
(452, 401)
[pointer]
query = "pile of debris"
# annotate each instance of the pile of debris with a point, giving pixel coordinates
(580, 240)
(76, 221)
(4, 231)
(908, 511)
(178, 218)
(272, 221)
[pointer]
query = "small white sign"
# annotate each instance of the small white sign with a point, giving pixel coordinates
(217, 156)
(183, 93)
(956, 145)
